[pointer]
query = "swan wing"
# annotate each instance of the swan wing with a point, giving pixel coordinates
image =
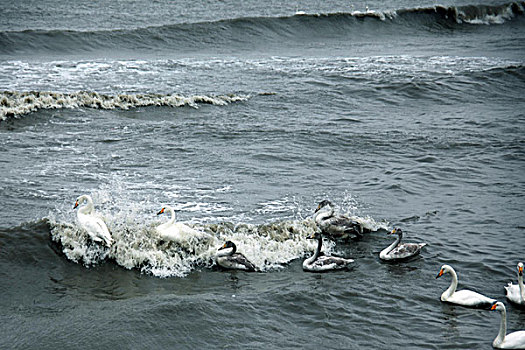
(514, 340)
(470, 298)
(236, 261)
(402, 251)
(169, 233)
(341, 227)
(96, 228)
(406, 250)
(327, 263)
(513, 294)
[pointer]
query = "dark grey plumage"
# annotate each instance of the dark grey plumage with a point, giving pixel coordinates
(233, 260)
(336, 226)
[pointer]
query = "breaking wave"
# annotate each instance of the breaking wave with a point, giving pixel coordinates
(269, 246)
(13, 103)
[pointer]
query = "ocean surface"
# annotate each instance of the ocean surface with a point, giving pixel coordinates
(243, 116)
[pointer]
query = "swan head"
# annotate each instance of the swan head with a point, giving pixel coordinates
(395, 231)
(444, 269)
(228, 248)
(498, 305)
(165, 209)
(314, 235)
(520, 268)
(228, 244)
(81, 199)
(322, 204)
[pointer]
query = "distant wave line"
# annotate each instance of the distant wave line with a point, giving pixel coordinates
(251, 30)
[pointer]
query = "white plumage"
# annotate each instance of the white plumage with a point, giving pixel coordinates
(94, 225)
(516, 292)
(463, 297)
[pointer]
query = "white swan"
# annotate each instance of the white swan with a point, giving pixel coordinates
(398, 251)
(463, 297)
(516, 292)
(95, 227)
(336, 226)
(175, 231)
(321, 263)
(515, 340)
(230, 259)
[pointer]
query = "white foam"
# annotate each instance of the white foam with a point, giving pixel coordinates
(270, 246)
(137, 246)
(14, 103)
(506, 14)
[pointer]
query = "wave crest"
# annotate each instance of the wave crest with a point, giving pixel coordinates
(13, 103)
(247, 32)
(268, 246)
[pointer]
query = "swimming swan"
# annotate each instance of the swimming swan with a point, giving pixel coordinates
(463, 297)
(320, 263)
(230, 259)
(398, 250)
(515, 340)
(516, 292)
(95, 227)
(336, 226)
(175, 231)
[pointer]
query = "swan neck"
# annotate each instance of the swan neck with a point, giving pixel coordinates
(453, 285)
(502, 328)
(318, 249)
(323, 215)
(226, 252)
(88, 208)
(394, 244)
(521, 286)
(313, 258)
(171, 220)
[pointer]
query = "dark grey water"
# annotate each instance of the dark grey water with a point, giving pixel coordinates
(243, 118)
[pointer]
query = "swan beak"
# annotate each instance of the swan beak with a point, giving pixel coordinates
(392, 232)
(222, 247)
(494, 306)
(161, 211)
(76, 205)
(317, 209)
(440, 273)
(520, 270)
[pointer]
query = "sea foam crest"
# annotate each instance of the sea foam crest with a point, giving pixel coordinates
(267, 246)
(13, 103)
(138, 245)
(488, 15)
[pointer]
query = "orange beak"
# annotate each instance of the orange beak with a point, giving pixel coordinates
(440, 273)
(520, 270)
(76, 205)
(161, 211)
(493, 307)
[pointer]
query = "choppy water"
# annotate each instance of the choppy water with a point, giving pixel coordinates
(244, 117)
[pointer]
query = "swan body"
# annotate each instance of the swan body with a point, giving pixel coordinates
(94, 225)
(321, 263)
(463, 297)
(515, 340)
(516, 292)
(175, 231)
(336, 226)
(228, 258)
(398, 250)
